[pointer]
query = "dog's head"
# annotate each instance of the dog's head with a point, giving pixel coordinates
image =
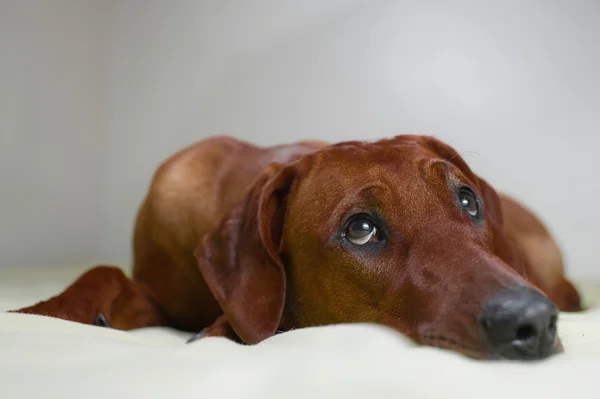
(399, 232)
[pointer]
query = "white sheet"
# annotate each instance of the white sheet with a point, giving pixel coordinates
(42, 357)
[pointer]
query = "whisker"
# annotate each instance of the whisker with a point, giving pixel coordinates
(456, 138)
(466, 154)
(470, 154)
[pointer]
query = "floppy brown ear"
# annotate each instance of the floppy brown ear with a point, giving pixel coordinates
(240, 260)
(542, 257)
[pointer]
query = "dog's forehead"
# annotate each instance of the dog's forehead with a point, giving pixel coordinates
(352, 166)
(372, 153)
(401, 156)
(398, 166)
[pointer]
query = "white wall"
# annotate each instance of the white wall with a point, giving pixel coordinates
(513, 82)
(52, 131)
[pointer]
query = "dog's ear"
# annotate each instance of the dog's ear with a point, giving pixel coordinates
(540, 253)
(240, 260)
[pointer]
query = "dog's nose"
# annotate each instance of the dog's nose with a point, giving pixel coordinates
(520, 323)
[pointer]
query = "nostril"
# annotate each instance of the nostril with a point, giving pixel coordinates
(526, 332)
(520, 323)
(552, 323)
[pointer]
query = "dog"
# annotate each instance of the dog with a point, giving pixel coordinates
(240, 241)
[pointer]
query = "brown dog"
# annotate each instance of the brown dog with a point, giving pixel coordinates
(241, 241)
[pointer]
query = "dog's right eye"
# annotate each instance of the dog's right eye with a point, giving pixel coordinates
(361, 230)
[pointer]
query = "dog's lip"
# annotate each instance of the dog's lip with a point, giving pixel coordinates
(515, 352)
(444, 342)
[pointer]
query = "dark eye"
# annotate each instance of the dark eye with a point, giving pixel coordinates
(361, 230)
(468, 201)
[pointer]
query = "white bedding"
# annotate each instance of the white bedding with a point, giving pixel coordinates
(42, 357)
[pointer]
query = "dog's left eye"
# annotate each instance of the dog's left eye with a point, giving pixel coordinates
(468, 202)
(360, 230)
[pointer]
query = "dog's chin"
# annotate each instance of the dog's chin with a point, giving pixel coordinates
(511, 353)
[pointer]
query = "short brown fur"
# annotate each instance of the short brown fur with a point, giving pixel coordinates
(243, 241)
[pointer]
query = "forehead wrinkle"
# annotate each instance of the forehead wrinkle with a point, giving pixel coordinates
(385, 177)
(385, 185)
(363, 199)
(452, 173)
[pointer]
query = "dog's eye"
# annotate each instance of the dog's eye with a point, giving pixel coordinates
(360, 231)
(468, 202)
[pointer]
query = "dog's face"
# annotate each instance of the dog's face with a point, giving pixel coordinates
(398, 232)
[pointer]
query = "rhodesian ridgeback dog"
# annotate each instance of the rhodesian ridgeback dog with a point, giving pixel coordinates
(241, 241)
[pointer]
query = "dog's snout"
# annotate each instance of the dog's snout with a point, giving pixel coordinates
(520, 324)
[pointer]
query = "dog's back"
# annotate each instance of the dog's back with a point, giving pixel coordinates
(189, 195)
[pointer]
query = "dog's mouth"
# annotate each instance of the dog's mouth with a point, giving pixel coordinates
(443, 342)
(513, 351)
(520, 350)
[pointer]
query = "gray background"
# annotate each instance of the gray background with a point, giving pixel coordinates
(94, 94)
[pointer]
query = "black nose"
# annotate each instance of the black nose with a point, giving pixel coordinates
(520, 323)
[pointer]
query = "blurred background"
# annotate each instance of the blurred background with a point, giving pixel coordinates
(95, 94)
